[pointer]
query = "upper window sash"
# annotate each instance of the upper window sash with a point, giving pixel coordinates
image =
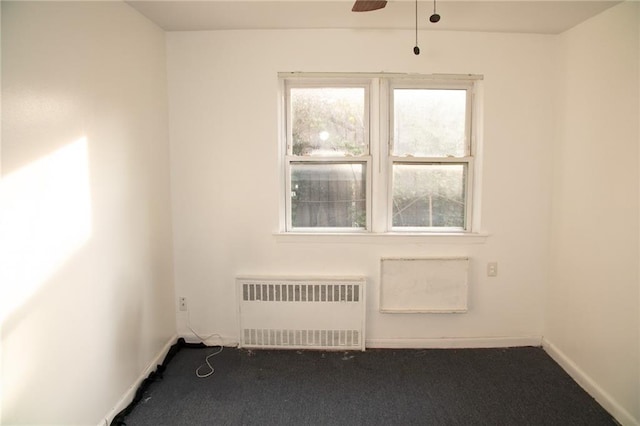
(345, 131)
(405, 98)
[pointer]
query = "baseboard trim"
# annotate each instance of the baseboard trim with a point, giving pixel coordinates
(589, 385)
(454, 342)
(131, 392)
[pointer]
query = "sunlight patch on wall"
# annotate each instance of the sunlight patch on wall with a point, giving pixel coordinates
(45, 218)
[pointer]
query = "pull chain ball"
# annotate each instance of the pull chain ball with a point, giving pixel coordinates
(435, 17)
(416, 50)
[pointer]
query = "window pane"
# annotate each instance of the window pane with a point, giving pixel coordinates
(328, 121)
(429, 195)
(429, 122)
(328, 195)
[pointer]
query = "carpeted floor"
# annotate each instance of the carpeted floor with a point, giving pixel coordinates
(515, 386)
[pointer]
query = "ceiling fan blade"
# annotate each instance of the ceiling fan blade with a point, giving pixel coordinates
(368, 5)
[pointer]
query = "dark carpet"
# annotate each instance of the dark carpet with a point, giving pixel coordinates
(515, 386)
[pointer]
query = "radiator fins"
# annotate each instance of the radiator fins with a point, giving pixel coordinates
(301, 338)
(302, 313)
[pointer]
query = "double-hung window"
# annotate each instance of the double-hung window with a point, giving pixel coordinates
(327, 155)
(430, 156)
(380, 154)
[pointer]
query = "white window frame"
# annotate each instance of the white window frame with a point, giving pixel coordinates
(290, 159)
(379, 159)
(467, 160)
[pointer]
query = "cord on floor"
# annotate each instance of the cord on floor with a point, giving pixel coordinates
(204, 341)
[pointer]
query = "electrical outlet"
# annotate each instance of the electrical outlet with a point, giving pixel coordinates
(492, 269)
(182, 303)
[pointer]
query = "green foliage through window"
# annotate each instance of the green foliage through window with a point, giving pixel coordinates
(328, 121)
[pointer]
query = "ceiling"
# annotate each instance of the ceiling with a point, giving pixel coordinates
(519, 16)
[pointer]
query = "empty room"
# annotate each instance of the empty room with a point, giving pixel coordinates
(318, 190)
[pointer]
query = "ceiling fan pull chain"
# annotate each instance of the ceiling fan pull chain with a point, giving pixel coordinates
(416, 49)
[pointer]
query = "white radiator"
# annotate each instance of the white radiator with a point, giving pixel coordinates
(302, 313)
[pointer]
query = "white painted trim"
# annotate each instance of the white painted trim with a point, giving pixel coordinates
(131, 392)
(367, 75)
(590, 385)
(383, 237)
(454, 342)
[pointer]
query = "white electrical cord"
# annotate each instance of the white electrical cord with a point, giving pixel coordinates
(208, 364)
(204, 340)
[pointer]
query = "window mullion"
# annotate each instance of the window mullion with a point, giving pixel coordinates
(380, 138)
(468, 124)
(469, 192)
(287, 195)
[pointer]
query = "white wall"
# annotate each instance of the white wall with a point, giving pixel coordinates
(225, 175)
(86, 278)
(592, 322)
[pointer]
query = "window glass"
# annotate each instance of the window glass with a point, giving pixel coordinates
(328, 195)
(328, 121)
(429, 195)
(429, 122)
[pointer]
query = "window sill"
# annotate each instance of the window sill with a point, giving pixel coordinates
(386, 237)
